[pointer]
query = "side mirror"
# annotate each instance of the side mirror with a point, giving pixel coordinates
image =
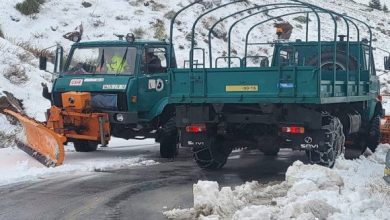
(387, 63)
(42, 63)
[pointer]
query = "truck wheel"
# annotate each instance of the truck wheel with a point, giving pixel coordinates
(374, 135)
(85, 146)
(169, 140)
(213, 155)
(269, 145)
(333, 143)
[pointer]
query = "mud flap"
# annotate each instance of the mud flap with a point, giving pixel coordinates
(40, 142)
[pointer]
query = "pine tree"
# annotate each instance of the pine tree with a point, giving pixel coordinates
(385, 9)
(375, 4)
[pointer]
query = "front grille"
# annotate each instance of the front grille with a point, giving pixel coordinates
(100, 101)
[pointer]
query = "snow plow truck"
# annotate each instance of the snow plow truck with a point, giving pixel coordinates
(310, 94)
(103, 89)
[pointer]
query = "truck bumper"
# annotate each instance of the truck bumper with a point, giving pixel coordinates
(307, 141)
(123, 117)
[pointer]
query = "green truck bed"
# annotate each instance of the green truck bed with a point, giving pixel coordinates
(287, 84)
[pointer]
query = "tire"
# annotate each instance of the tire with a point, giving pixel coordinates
(85, 146)
(374, 135)
(333, 144)
(269, 145)
(327, 61)
(213, 155)
(169, 140)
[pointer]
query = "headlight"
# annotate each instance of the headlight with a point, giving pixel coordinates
(119, 117)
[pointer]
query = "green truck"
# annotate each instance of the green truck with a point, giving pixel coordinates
(312, 95)
(127, 80)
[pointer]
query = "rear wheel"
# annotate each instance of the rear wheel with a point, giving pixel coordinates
(332, 145)
(213, 154)
(169, 140)
(85, 146)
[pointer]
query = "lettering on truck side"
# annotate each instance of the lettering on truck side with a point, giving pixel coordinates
(114, 87)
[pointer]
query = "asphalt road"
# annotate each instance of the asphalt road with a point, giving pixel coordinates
(137, 192)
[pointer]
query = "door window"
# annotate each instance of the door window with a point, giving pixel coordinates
(154, 60)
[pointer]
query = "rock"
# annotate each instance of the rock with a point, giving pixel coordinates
(86, 4)
(16, 19)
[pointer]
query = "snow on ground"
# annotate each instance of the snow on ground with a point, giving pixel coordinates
(17, 166)
(366, 2)
(25, 82)
(353, 189)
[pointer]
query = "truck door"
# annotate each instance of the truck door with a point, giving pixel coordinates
(153, 78)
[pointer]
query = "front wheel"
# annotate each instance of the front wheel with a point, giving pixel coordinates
(169, 140)
(213, 154)
(85, 146)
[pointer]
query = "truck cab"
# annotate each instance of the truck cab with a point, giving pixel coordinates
(126, 80)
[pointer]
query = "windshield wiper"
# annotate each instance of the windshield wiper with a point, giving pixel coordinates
(101, 62)
(123, 61)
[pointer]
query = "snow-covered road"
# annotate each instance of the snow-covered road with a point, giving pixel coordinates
(17, 166)
(141, 192)
(117, 182)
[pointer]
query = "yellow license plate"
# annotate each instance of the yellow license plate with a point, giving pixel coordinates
(387, 171)
(242, 88)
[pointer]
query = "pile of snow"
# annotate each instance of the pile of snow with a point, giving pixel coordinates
(353, 189)
(16, 166)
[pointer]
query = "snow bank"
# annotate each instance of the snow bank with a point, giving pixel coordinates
(353, 189)
(17, 166)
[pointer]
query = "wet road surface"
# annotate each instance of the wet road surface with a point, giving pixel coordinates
(135, 193)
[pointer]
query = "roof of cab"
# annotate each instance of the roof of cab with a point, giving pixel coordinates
(108, 43)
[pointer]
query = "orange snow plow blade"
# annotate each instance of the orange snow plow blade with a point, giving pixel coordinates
(40, 142)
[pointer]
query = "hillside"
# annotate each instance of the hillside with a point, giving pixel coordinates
(148, 20)
(352, 189)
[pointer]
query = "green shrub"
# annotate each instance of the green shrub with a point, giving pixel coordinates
(16, 75)
(159, 30)
(301, 19)
(157, 6)
(29, 7)
(170, 14)
(139, 32)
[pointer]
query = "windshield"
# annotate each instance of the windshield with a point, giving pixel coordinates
(103, 60)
